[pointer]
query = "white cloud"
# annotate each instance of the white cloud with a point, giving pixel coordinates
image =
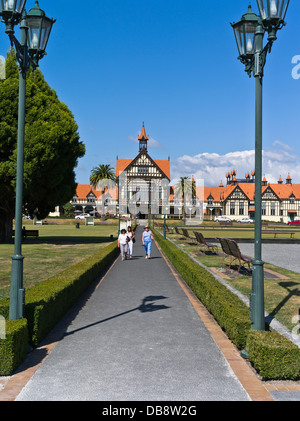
(212, 167)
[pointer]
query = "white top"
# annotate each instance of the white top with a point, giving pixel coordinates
(122, 238)
(130, 235)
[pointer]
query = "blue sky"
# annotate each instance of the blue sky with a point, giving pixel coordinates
(172, 64)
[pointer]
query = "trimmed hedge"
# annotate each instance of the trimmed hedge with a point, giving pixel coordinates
(273, 356)
(13, 348)
(48, 301)
(229, 311)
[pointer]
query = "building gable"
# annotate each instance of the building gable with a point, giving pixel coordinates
(269, 194)
(144, 166)
(237, 194)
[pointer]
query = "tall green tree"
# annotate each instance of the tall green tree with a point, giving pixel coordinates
(51, 150)
(101, 178)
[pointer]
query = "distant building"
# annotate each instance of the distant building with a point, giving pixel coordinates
(236, 200)
(143, 189)
(141, 181)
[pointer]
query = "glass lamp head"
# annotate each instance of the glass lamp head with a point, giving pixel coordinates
(39, 28)
(244, 31)
(273, 12)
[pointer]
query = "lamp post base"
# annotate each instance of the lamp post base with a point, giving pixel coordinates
(17, 293)
(257, 313)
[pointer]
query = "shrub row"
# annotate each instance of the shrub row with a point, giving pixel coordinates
(14, 347)
(47, 302)
(272, 355)
(229, 311)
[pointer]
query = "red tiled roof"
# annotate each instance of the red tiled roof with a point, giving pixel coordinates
(163, 164)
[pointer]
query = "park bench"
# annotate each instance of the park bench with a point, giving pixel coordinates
(50, 222)
(202, 241)
(280, 232)
(187, 235)
(231, 248)
(28, 233)
(225, 223)
(177, 231)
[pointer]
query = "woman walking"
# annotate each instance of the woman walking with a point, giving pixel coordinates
(147, 242)
(122, 243)
(130, 240)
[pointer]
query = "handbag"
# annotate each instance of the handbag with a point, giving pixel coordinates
(133, 239)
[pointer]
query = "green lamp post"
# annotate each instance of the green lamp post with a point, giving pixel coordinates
(249, 33)
(35, 28)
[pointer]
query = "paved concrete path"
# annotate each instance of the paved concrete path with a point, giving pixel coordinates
(282, 255)
(137, 337)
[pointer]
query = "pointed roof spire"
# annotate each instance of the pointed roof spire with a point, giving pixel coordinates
(143, 134)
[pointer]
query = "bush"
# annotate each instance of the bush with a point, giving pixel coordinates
(229, 311)
(13, 349)
(273, 356)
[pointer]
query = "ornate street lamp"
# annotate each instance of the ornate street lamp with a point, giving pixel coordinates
(249, 33)
(244, 31)
(39, 31)
(12, 12)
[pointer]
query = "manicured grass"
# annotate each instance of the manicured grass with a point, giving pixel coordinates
(281, 295)
(56, 248)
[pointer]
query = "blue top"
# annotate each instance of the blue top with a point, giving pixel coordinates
(147, 236)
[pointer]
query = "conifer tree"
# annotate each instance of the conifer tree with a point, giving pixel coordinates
(51, 149)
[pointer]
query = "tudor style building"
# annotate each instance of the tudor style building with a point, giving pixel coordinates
(280, 202)
(142, 190)
(139, 190)
(141, 181)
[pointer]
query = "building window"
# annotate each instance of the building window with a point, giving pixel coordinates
(273, 209)
(281, 212)
(292, 200)
(232, 208)
(143, 170)
(263, 208)
(241, 208)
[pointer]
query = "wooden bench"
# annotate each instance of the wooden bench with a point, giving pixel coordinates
(202, 241)
(50, 222)
(231, 248)
(225, 223)
(177, 231)
(280, 232)
(187, 235)
(28, 233)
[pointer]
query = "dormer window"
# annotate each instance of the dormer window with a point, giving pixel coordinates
(292, 199)
(91, 199)
(210, 201)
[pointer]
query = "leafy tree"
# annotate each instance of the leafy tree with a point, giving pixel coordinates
(102, 177)
(51, 150)
(68, 210)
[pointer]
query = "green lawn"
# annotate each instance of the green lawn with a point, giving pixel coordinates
(57, 247)
(282, 296)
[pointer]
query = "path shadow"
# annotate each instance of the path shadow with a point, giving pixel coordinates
(291, 293)
(69, 240)
(146, 306)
